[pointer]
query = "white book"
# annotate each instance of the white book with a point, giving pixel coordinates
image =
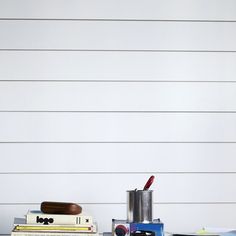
(20, 225)
(51, 234)
(40, 218)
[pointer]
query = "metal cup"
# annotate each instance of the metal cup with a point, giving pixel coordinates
(139, 206)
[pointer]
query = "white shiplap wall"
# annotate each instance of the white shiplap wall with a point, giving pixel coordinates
(95, 96)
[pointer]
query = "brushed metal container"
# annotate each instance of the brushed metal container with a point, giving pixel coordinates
(139, 206)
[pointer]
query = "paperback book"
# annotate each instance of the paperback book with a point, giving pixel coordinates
(21, 225)
(37, 217)
(33, 233)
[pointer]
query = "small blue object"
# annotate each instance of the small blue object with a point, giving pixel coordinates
(155, 229)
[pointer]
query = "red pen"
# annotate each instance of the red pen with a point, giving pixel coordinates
(149, 183)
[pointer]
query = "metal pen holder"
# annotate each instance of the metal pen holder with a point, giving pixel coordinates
(139, 206)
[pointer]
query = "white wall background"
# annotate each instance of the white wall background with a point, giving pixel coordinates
(95, 96)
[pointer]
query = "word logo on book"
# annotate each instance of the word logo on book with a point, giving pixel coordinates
(45, 221)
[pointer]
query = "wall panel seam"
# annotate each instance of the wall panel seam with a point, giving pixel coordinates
(113, 142)
(117, 20)
(116, 81)
(124, 203)
(115, 111)
(114, 50)
(121, 173)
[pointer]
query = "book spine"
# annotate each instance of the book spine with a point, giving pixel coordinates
(60, 228)
(50, 219)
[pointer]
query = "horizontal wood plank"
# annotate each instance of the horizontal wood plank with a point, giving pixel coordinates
(129, 9)
(77, 35)
(169, 188)
(90, 157)
(123, 66)
(47, 96)
(116, 127)
(176, 217)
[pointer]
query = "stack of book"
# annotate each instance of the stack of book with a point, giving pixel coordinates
(37, 223)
